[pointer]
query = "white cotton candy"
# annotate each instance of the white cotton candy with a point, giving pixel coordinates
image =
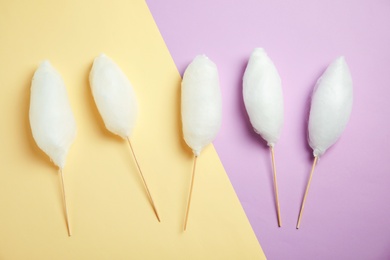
(114, 96)
(201, 104)
(331, 106)
(52, 123)
(263, 96)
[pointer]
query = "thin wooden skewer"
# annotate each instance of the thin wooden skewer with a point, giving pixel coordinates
(190, 195)
(307, 190)
(276, 187)
(143, 179)
(65, 204)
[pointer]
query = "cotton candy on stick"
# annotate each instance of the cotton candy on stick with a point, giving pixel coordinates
(263, 98)
(51, 119)
(201, 109)
(116, 101)
(330, 110)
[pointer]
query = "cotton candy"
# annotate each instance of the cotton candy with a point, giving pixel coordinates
(263, 96)
(263, 99)
(201, 105)
(330, 107)
(51, 119)
(114, 96)
(116, 101)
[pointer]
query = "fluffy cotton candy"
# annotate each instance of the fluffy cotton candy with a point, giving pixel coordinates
(52, 123)
(114, 96)
(201, 104)
(330, 107)
(263, 96)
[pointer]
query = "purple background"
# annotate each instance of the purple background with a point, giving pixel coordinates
(347, 213)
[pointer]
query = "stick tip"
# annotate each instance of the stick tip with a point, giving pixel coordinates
(155, 211)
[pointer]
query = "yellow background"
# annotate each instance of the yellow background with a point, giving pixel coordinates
(109, 211)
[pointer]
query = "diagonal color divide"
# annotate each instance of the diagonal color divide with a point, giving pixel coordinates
(346, 217)
(109, 209)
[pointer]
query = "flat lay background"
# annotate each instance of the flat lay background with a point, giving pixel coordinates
(109, 212)
(347, 214)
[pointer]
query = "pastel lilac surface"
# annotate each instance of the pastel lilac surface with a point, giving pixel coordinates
(346, 214)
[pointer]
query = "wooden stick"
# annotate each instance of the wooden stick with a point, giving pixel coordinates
(143, 179)
(65, 204)
(190, 195)
(276, 187)
(307, 190)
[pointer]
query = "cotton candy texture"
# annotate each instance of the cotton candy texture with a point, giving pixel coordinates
(201, 104)
(263, 96)
(51, 119)
(330, 107)
(114, 96)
